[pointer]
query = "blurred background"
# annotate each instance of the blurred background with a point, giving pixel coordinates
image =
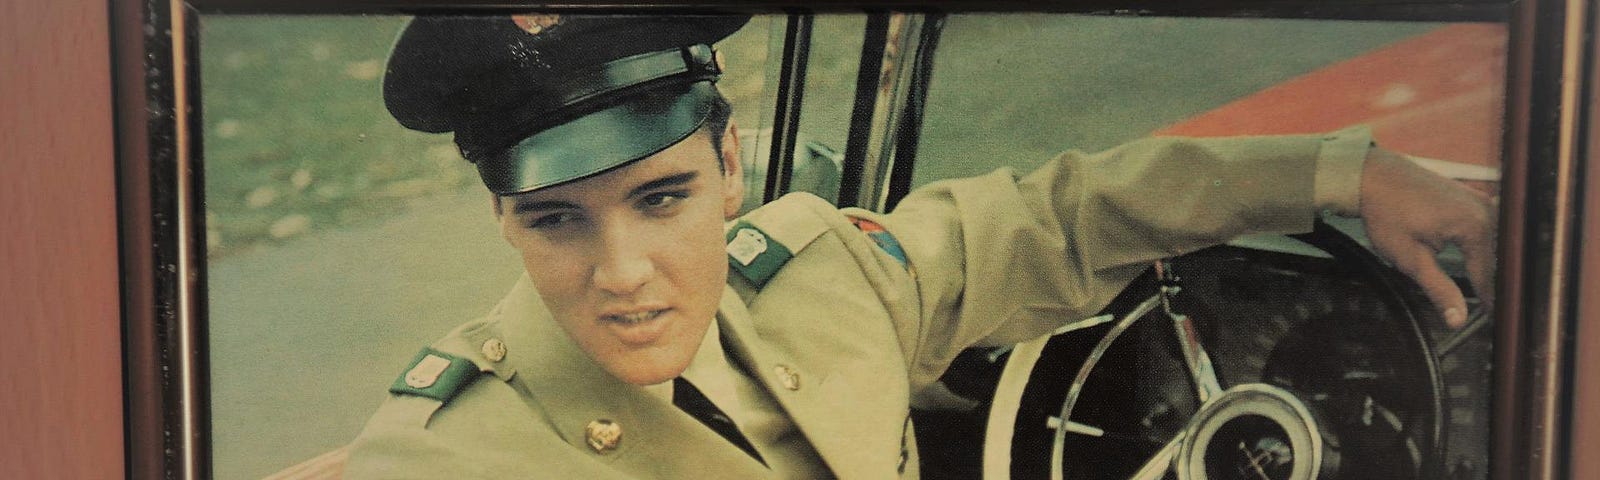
(340, 243)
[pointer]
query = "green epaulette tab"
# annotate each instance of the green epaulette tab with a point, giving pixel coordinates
(437, 375)
(754, 254)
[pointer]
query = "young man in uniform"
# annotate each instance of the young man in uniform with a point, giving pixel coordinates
(630, 350)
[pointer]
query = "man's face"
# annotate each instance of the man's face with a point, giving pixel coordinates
(632, 262)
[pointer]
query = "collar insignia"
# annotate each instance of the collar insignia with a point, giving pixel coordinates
(755, 254)
(747, 244)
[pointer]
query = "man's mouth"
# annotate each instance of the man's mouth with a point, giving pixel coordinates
(637, 328)
(633, 318)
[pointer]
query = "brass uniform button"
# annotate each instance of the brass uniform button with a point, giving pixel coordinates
(787, 376)
(603, 435)
(494, 349)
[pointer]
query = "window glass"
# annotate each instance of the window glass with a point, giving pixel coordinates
(831, 77)
(829, 101)
(826, 106)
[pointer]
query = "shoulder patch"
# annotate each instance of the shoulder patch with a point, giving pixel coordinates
(883, 238)
(435, 374)
(754, 254)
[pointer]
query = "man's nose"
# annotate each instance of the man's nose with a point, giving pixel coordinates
(624, 264)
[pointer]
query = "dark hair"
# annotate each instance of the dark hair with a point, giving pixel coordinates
(717, 125)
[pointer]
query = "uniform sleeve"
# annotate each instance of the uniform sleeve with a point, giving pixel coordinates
(1000, 258)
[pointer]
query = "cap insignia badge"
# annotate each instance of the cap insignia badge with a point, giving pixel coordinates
(536, 23)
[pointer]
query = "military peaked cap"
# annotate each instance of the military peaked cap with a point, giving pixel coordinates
(539, 100)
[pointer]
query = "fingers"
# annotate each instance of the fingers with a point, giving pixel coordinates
(1473, 232)
(1412, 213)
(1479, 252)
(1481, 273)
(1417, 262)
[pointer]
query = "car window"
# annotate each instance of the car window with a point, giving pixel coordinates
(828, 92)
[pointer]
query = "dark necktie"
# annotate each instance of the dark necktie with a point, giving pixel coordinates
(691, 401)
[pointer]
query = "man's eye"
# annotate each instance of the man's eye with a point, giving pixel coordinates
(552, 220)
(663, 200)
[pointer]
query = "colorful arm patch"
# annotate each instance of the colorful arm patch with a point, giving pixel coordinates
(884, 240)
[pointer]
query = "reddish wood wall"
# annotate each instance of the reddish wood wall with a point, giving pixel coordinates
(60, 347)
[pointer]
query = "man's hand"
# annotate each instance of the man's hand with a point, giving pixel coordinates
(1411, 214)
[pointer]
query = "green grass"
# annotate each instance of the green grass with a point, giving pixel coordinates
(296, 137)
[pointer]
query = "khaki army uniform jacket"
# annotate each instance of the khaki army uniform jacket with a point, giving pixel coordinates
(840, 331)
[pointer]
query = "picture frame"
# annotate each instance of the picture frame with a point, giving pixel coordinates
(163, 216)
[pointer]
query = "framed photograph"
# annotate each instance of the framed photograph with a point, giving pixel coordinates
(307, 204)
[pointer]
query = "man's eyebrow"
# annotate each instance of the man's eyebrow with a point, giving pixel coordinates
(663, 182)
(525, 206)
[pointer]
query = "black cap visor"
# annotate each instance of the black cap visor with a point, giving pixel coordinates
(600, 141)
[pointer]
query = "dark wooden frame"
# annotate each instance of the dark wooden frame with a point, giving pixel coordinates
(1549, 132)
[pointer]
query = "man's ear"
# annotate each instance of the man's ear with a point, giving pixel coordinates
(732, 173)
(500, 217)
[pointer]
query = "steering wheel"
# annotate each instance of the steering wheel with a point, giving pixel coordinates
(1231, 363)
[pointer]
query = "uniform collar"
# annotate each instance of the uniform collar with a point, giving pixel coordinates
(709, 371)
(573, 390)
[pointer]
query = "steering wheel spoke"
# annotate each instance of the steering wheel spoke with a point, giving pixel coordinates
(1162, 462)
(1201, 371)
